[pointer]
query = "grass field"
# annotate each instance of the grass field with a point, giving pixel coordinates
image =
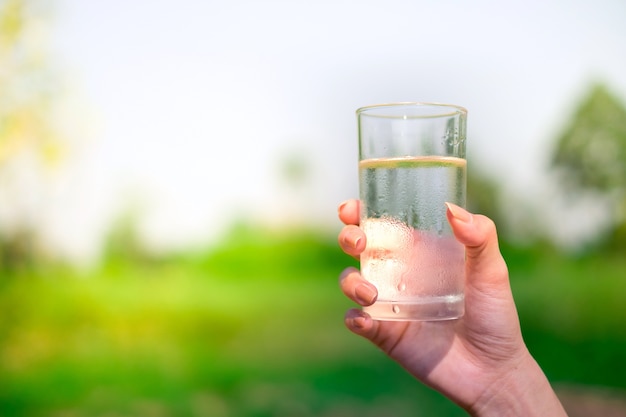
(254, 328)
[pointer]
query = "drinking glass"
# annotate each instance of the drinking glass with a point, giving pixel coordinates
(411, 162)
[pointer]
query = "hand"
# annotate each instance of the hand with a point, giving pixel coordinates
(479, 361)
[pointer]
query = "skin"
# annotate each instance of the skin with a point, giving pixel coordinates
(479, 361)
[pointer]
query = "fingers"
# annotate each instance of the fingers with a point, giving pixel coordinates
(352, 240)
(349, 211)
(356, 288)
(478, 234)
(385, 334)
(364, 293)
(361, 323)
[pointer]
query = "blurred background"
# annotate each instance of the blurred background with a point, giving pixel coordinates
(170, 172)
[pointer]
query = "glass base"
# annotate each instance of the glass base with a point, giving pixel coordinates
(430, 309)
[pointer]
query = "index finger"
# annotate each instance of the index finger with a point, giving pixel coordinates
(349, 211)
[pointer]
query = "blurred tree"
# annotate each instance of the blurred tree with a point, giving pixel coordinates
(27, 82)
(590, 158)
(295, 168)
(483, 196)
(517, 226)
(28, 135)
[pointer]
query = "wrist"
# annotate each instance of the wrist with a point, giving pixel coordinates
(523, 391)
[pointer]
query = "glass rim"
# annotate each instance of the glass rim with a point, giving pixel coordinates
(452, 110)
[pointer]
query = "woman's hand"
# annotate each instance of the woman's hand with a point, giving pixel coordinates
(479, 361)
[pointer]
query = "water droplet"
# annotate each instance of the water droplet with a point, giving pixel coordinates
(401, 286)
(395, 309)
(439, 227)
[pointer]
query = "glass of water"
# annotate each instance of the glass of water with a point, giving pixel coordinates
(411, 162)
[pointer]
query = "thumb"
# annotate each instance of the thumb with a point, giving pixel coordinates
(484, 263)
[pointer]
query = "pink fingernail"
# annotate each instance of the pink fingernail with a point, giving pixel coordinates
(459, 213)
(359, 322)
(364, 294)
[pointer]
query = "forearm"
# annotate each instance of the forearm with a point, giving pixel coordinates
(524, 391)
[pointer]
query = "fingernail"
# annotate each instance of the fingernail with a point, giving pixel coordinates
(341, 206)
(365, 294)
(349, 242)
(359, 322)
(459, 213)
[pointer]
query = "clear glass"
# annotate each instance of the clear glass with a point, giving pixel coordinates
(411, 162)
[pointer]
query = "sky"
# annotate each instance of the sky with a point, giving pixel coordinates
(188, 111)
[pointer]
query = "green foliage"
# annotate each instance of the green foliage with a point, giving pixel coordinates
(250, 252)
(483, 195)
(29, 131)
(11, 22)
(28, 83)
(590, 159)
(253, 327)
(591, 152)
(17, 253)
(571, 312)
